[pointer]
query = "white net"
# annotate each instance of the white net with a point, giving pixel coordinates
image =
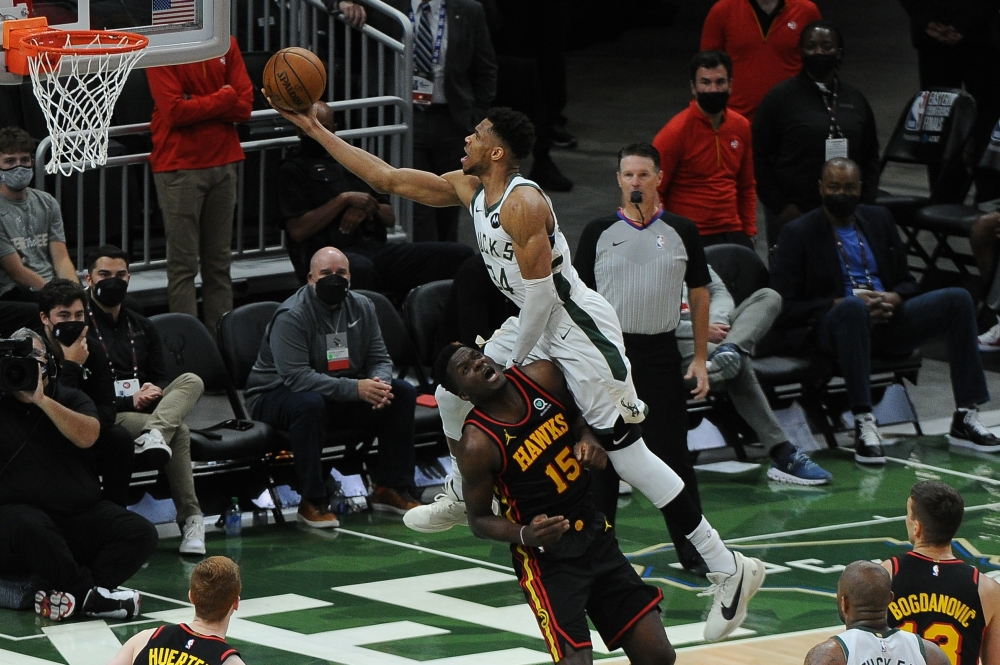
(77, 93)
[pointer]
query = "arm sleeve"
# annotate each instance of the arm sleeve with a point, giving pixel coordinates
(746, 190)
(540, 298)
(696, 273)
(869, 160)
(586, 254)
(483, 69)
(290, 346)
(168, 95)
(237, 77)
(713, 32)
(766, 137)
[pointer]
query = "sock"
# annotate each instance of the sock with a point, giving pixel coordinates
(646, 472)
(781, 451)
(456, 479)
(717, 556)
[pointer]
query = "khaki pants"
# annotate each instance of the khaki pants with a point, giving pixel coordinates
(197, 206)
(168, 417)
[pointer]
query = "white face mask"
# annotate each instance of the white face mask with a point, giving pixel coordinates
(17, 177)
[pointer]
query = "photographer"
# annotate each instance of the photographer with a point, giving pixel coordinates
(53, 524)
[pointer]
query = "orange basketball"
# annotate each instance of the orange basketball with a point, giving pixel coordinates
(294, 78)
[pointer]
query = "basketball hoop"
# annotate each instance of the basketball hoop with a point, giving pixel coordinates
(77, 76)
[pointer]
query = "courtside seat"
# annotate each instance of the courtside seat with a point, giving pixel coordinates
(424, 310)
(786, 370)
(948, 218)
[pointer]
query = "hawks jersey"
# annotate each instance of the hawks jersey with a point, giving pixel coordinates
(540, 474)
(939, 600)
(179, 645)
(864, 646)
(497, 247)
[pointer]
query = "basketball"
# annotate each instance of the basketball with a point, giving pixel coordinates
(294, 79)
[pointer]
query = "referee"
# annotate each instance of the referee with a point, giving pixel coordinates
(639, 259)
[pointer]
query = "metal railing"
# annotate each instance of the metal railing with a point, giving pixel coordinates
(382, 125)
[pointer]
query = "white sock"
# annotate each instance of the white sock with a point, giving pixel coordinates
(717, 556)
(646, 472)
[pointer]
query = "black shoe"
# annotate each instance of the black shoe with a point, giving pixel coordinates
(968, 432)
(106, 604)
(547, 175)
(561, 138)
(867, 440)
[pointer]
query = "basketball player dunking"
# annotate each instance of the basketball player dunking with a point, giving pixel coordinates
(561, 319)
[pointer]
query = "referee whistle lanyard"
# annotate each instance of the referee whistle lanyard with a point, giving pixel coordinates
(439, 39)
(104, 347)
(869, 284)
(639, 225)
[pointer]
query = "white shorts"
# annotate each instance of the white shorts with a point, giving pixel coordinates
(584, 339)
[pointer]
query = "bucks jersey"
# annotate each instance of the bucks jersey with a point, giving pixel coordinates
(497, 247)
(864, 646)
(939, 600)
(540, 474)
(180, 645)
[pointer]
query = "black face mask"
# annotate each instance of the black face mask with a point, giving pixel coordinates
(819, 65)
(67, 332)
(841, 206)
(712, 102)
(110, 292)
(312, 148)
(332, 289)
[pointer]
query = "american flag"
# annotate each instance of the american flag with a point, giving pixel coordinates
(167, 12)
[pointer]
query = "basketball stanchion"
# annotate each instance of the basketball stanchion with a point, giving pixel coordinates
(77, 76)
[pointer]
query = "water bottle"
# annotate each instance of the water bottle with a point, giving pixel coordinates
(234, 519)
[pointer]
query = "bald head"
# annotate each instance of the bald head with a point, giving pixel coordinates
(864, 593)
(840, 164)
(325, 116)
(328, 261)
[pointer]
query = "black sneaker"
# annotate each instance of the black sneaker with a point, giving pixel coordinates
(111, 604)
(548, 176)
(867, 440)
(967, 431)
(561, 138)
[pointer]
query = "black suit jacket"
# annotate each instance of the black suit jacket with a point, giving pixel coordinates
(806, 269)
(470, 65)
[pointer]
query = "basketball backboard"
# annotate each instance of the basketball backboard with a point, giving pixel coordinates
(179, 31)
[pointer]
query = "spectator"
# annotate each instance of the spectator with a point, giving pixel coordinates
(934, 512)
(53, 524)
(323, 364)
(150, 408)
(639, 266)
(194, 162)
(323, 204)
(62, 308)
(805, 121)
(847, 291)
(454, 82)
(762, 38)
(983, 237)
(215, 594)
(863, 597)
(733, 334)
(706, 161)
(32, 238)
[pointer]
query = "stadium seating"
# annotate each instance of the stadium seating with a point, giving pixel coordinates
(424, 310)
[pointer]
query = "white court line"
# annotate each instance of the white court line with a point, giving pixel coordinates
(928, 467)
(428, 550)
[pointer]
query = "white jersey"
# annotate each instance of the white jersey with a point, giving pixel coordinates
(863, 646)
(497, 247)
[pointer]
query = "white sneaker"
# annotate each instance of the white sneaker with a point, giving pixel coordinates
(153, 447)
(446, 511)
(989, 341)
(732, 595)
(193, 535)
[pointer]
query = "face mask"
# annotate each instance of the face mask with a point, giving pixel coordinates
(17, 177)
(819, 65)
(332, 289)
(312, 148)
(712, 102)
(110, 292)
(841, 206)
(67, 332)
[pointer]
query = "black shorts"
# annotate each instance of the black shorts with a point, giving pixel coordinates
(600, 581)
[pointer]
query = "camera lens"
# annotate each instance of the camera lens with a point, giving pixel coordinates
(15, 374)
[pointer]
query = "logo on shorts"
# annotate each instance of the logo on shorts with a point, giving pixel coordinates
(792, 25)
(541, 405)
(495, 220)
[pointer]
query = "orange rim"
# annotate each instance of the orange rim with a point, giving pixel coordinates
(81, 42)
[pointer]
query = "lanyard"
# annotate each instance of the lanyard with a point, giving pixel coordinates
(830, 101)
(869, 282)
(442, 22)
(131, 339)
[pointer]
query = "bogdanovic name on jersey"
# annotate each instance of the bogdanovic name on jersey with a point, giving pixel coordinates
(932, 602)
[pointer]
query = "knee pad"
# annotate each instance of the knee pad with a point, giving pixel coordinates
(640, 468)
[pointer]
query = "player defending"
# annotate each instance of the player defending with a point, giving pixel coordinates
(863, 596)
(961, 612)
(527, 441)
(215, 592)
(561, 319)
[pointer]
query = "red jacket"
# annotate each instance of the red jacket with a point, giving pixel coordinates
(708, 174)
(194, 114)
(759, 61)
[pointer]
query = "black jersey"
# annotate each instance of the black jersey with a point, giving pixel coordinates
(179, 645)
(540, 474)
(939, 600)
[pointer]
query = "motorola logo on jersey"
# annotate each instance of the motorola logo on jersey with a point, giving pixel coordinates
(495, 220)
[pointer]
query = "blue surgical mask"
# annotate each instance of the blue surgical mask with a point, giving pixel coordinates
(17, 177)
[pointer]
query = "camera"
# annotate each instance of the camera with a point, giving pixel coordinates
(18, 369)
